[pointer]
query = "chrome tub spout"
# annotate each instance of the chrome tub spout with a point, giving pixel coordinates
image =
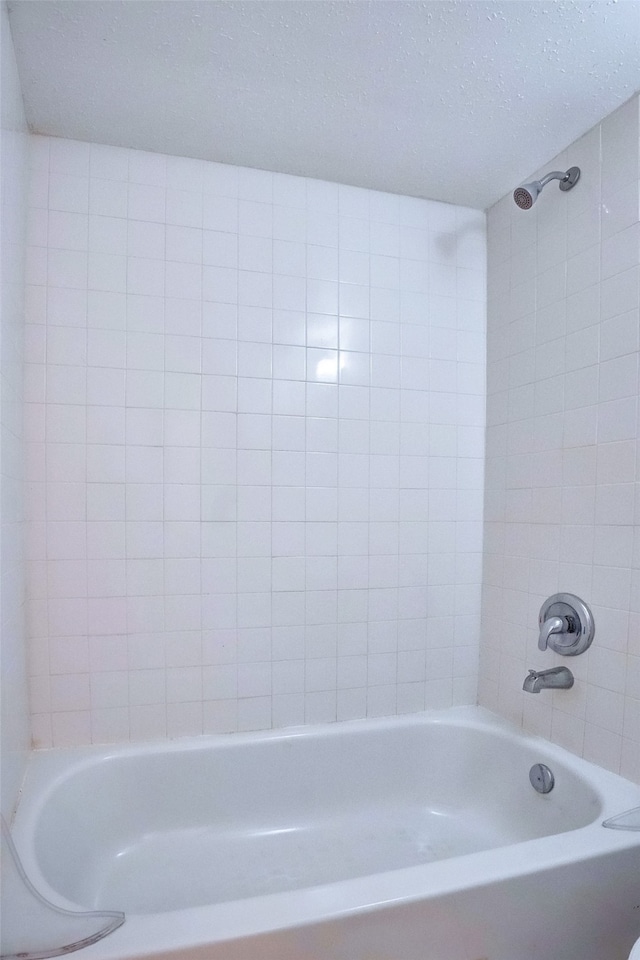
(557, 678)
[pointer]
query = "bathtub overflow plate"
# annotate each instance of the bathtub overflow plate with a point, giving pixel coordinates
(541, 778)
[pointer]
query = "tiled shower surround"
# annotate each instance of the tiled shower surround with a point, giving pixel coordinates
(255, 424)
(562, 498)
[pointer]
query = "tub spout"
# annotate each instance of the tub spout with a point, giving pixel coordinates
(557, 678)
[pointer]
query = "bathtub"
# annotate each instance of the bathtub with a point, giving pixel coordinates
(414, 838)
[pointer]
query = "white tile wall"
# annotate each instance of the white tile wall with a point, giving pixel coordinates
(255, 418)
(13, 187)
(562, 493)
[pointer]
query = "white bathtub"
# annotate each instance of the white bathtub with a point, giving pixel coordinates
(416, 838)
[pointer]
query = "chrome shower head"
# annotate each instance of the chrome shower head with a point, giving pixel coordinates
(526, 195)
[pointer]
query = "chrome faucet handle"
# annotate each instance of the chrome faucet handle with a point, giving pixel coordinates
(566, 625)
(552, 625)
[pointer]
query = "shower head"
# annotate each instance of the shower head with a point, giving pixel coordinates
(526, 195)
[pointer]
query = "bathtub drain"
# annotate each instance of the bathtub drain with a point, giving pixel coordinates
(541, 778)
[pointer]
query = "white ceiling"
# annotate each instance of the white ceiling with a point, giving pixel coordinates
(455, 101)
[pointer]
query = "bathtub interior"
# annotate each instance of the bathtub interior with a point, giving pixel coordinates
(161, 830)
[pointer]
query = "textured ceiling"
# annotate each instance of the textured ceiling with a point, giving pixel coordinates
(456, 101)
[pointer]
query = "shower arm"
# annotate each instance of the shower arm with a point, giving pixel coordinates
(554, 175)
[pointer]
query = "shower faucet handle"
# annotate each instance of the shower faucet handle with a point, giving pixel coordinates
(566, 625)
(552, 625)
